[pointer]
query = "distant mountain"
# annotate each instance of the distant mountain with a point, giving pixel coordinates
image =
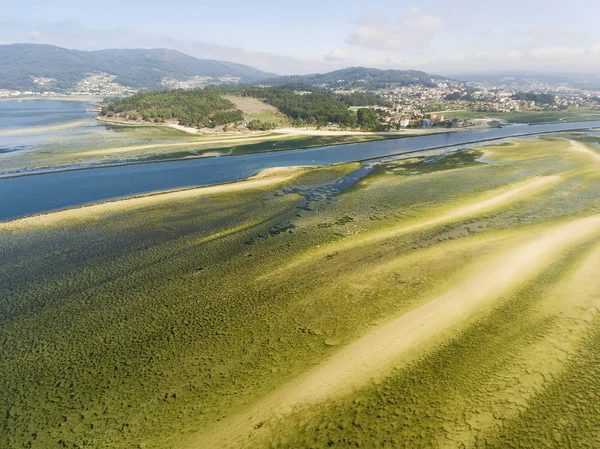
(361, 77)
(46, 67)
(530, 80)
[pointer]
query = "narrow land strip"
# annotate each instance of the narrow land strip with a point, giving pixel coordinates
(43, 129)
(267, 178)
(191, 143)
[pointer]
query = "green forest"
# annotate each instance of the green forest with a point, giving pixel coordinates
(320, 107)
(315, 108)
(199, 107)
(207, 107)
(541, 99)
(361, 77)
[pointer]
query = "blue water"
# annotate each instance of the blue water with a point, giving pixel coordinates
(30, 113)
(34, 194)
(34, 114)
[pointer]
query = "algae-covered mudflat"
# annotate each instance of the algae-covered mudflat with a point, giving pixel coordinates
(427, 302)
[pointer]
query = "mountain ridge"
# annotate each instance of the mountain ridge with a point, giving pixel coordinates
(63, 68)
(43, 67)
(362, 77)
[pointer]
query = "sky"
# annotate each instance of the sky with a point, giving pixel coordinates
(448, 37)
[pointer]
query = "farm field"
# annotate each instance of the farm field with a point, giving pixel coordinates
(427, 302)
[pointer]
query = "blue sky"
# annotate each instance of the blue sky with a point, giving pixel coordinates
(444, 36)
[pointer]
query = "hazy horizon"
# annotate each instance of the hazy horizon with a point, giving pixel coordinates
(446, 36)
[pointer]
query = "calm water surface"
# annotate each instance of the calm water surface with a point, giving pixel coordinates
(32, 114)
(29, 195)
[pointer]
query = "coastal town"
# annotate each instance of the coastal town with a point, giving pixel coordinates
(421, 106)
(446, 103)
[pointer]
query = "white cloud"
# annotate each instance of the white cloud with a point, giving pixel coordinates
(559, 53)
(35, 36)
(549, 31)
(338, 55)
(515, 55)
(412, 29)
(535, 59)
(74, 35)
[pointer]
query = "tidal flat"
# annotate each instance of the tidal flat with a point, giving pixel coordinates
(89, 143)
(438, 301)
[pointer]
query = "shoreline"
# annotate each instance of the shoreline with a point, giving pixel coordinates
(125, 164)
(266, 175)
(310, 132)
(208, 155)
(256, 176)
(405, 132)
(132, 124)
(28, 131)
(76, 98)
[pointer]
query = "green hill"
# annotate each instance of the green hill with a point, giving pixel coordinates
(361, 77)
(197, 107)
(209, 108)
(135, 68)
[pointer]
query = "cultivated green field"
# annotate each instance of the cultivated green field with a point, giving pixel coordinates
(442, 302)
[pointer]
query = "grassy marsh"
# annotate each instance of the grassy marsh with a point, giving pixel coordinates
(572, 115)
(117, 144)
(166, 324)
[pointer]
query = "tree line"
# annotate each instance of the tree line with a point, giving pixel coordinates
(314, 108)
(546, 99)
(198, 108)
(208, 108)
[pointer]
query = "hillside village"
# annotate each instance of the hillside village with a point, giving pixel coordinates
(103, 84)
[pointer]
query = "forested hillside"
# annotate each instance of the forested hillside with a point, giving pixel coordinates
(208, 108)
(317, 108)
(200, 108)
(361, 77)
(20, 64)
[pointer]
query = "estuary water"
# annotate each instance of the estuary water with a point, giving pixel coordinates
(39, 113)
(26, 124)
(28, 195)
